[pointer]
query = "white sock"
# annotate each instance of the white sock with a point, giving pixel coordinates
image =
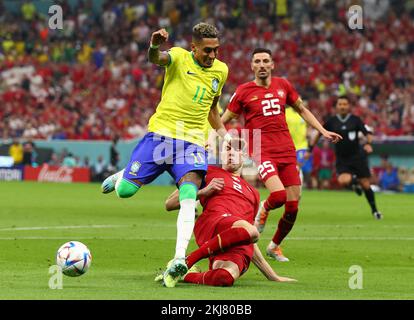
(117, 176)
(185, 226)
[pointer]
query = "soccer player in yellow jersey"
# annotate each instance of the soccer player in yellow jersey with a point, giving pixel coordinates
(175, 140)
(297, 129)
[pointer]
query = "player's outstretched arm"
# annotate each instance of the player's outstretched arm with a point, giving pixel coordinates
(215, 185)
(311, 120)
(156, 56)
(215, 121)
(228, 115)
(261, 263)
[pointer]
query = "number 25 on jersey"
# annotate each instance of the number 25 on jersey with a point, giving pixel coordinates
(271, 107)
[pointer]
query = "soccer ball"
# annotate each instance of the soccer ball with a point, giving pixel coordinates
(74, 258)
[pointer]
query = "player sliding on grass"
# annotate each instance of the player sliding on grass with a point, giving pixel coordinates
(262, 102)
(175, 139)
(224, 231)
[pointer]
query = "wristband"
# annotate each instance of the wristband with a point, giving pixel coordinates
(154, 46)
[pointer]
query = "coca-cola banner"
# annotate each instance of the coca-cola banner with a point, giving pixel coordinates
(48, 173)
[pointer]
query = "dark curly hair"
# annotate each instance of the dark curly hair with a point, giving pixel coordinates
(204, 30)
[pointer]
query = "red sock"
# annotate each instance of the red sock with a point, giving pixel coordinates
(217, 277)
(275, 200)
(286, 222)
(225, 239)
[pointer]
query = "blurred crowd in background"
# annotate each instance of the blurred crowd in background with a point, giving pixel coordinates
(91, 80)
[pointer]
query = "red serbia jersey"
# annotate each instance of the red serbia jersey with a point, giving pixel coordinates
(237, 198)
(264, 109)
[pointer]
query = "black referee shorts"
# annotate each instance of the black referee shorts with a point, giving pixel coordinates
(357, 166)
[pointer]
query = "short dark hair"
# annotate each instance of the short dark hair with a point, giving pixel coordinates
(345, 97)
(204, 30)
(260, 50)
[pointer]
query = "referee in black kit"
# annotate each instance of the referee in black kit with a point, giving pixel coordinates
(351, 158)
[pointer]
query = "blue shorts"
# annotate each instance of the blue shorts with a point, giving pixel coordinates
(300, 157)
(155, 154)
(304, 164)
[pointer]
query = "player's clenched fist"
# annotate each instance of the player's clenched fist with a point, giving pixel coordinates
(216, 184)
(159, 37)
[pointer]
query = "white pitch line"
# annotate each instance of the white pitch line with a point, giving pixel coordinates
(167, 225)
(171, 238)
(93, 226)
(352, 238)
(391, 226)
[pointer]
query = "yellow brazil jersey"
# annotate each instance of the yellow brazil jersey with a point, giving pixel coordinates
(297, 128)
(208, 127)
(187, 95)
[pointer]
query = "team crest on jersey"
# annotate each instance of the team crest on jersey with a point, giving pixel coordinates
(269, 95)
(135, 167)
(280, 93)
(352, 135)
(215, 84)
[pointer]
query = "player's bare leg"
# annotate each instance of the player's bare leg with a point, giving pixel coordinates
(348, 180)
(188, 187)
(276, 199)
(223, 273)
(285, 224)
(369, 195)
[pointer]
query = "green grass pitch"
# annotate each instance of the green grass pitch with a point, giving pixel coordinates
(131, 239)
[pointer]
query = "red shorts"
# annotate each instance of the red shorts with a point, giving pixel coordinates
(209, 225)
(285, 168)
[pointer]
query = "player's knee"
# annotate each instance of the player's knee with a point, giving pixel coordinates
(223, 278)
(277, 199)
(365, 184)
(253, 232)
(254, 235)
(344, 183)
(188, 190)
(344, 180)
(125, 189)
(249, 228)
